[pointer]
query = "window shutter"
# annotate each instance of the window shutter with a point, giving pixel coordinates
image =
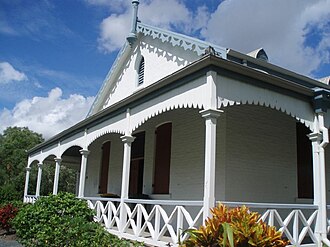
(141, 72)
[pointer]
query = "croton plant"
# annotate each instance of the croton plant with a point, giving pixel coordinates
(234, 227)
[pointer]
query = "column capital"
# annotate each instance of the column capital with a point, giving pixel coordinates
(211, 113)
(314, 137)
(27, 168)
(58, 160)
(127, 138)
(40, 165)
(84, 152)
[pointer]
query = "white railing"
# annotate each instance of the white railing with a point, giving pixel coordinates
(30, 199)
(295, 221)
(154, 222)
(158, 222)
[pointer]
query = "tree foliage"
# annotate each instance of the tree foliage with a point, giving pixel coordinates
(14, 143)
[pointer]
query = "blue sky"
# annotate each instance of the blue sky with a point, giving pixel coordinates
(54, 55)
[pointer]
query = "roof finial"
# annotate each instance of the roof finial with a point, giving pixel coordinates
(132, 35)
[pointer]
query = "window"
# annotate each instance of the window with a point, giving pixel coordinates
(304, 162)
(141, 72)
(161, 183)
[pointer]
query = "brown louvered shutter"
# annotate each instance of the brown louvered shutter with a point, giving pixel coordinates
(162, 159)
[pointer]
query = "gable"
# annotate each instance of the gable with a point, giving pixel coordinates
(163, 53)
(160, 60)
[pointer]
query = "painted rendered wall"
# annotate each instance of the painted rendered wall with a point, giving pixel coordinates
(260, 155)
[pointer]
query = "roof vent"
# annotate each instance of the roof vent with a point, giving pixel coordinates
(325, 80)
(259, 54)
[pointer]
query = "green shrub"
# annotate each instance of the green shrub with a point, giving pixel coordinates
(61, 220)
(236, 227)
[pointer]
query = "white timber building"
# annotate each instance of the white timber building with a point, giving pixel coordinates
(180, 124)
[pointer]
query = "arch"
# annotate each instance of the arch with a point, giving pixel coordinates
(34, 161)
(226, 103)
(49, 159)
(69, 149)
(164, 109)
(103, 133)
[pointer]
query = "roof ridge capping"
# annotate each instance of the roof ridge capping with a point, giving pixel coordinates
(180, 40)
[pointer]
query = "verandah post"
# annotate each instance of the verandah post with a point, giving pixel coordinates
(84, 155)
(319, 139)
(127, 140)
(39, 179)
(27, 179)
(210, 116)
(57, 174)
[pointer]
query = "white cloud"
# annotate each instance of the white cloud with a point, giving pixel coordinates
(8, 73)
(114, 29)
(47, 115)
(170, 14)
(280, 27)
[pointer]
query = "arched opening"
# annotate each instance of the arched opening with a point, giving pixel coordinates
(70, 170)
(174, 155)
(48, 172)
(33, 177)
(104, 166)
(262, 156)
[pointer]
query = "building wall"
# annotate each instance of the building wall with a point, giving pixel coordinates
(260, 155)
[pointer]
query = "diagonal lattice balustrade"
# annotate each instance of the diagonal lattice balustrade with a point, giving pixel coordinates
(296, 227)
(295, 221)
(159, 222)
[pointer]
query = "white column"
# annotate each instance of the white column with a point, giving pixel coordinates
(57, 175)
(210, 116)
(27, 179)
(319, 140)
(39, 179)
(127, 139)
(84, 154)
